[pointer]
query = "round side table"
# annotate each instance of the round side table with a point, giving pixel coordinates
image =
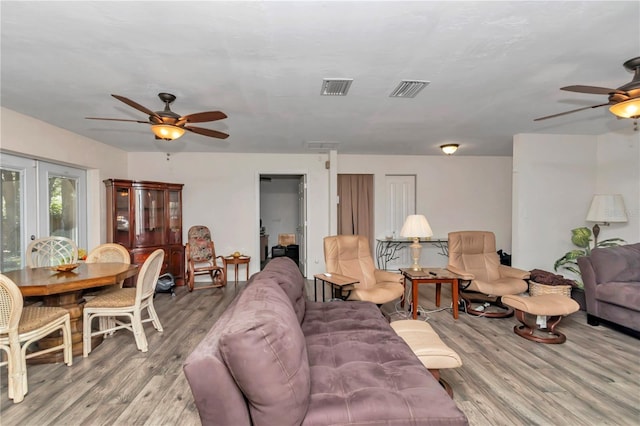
(240, 260)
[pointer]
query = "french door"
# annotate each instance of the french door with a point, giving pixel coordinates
(39, 199)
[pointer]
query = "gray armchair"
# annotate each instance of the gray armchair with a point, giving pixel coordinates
(611, 277)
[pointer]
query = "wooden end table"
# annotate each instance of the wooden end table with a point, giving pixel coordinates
(435, 276)
(337, 282)
(232, 260)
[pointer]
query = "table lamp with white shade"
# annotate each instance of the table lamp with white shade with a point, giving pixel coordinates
(415, 227)
(606, 208)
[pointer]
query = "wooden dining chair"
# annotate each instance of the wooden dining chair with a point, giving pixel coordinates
(20, 327)
(124, 307)
(51, 251)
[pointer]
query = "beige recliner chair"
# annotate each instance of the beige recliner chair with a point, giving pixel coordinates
(472, 255)
(350, 255)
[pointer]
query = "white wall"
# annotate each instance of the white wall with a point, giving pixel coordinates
(454, 193)
(618, 166)
(28, 137)
(555, 177)
(222, 191)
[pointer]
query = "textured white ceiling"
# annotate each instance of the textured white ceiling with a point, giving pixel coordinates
(493, 68)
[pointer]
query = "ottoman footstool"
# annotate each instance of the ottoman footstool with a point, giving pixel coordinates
(550, 306)
(428, 347)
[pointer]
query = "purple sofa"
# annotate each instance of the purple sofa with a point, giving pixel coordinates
(276, 358)
(611, 277)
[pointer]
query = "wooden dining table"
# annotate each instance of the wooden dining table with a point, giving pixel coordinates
(65, 289)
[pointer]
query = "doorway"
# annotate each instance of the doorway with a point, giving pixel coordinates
(283, 218)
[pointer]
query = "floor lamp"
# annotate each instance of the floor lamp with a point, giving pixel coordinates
(415, 227)
(606, 208)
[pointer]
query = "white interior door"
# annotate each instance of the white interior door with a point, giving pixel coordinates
(401, 202)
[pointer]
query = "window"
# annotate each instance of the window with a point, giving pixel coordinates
(39, 199)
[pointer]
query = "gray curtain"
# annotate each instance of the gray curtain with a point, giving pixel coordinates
(355, 207)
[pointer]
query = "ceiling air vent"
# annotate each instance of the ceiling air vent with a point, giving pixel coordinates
(335, 86)
(322, 146)
(408, 88)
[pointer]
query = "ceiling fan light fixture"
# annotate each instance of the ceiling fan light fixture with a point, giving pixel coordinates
(626, 109)
(167, 131)
(449, 148)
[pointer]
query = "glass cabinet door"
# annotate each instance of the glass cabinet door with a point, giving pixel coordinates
(175, 218)
(150, 217)
(123, 219)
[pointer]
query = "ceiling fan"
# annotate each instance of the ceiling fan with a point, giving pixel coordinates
(167, 124)
(624, 101)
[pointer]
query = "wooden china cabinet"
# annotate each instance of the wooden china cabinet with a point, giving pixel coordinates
(144, 216)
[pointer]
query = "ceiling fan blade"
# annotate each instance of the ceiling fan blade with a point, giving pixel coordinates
(207, 132)
(117, 119)
(137, 106)
(201, 117)
(588, 89)
(569, 112)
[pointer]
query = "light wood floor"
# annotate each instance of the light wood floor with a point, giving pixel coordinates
(592, 379)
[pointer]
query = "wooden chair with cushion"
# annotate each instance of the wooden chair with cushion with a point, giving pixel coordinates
(127, 303)
(350, 255)
(51, 251)
(201, 258)
(20, 327)
(473, 256)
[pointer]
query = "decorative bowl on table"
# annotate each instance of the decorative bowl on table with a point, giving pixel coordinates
(236, 254)
(64, 268)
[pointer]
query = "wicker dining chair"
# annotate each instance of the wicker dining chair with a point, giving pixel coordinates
(20, 327)
(107, 253)
(125, 303)
(51, 251)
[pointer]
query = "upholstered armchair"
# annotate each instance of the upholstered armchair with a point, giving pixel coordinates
(350, 255)
(473, 256)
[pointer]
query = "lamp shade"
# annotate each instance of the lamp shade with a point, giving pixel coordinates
(416, 226)
(167, 131)
(607, 208)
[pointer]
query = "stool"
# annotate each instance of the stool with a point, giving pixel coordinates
(428, 347)
(552, 306)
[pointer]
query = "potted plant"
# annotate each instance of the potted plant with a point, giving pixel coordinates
(581, 238)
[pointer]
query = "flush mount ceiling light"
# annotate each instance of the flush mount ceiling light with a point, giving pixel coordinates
(449, 148)
(335, 86)
(408, 88)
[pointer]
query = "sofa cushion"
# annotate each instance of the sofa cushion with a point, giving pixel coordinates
(363, 373)
(620, 263)
(285, 272)
(266, 354)
(622, 294)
